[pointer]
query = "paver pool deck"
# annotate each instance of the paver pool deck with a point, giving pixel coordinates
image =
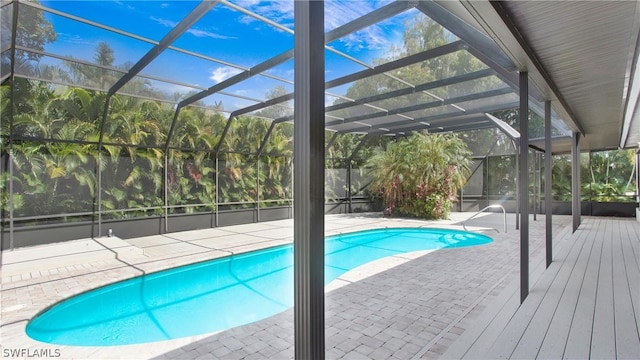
(405, 306)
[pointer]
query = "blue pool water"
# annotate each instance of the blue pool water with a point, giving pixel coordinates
(217, 294)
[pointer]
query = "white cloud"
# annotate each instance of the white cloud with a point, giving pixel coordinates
(75, 39)
(280, 11)
(209, 34)
(222, 73)
(246, 19)
(247, 3)
(193, 31)
(164, 5)
(275, 10)
(339, 13)
(164, 22)
(125, 4)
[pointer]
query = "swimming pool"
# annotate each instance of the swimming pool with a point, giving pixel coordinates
(218, 294)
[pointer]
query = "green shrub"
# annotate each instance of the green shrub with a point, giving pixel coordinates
(420, 175)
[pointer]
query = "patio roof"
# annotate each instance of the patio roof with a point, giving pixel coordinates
(588, 79)
(581, 55)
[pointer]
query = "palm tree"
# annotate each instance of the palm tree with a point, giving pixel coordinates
(276, 165)
(191, 173)
(52, 176)
(237, 177)
(420, 175)
(133, 176)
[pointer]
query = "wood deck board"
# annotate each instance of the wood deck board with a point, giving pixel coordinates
(480, 338)
(555, 339)
(579, 340)
(603, 344)
(626, 332)
(514, 331)
(586, 305)
(539, 326)
(632, 265)
(510, 302)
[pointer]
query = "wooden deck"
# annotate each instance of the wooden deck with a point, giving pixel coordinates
(585, 305)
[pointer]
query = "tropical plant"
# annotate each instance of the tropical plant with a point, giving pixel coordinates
(610, 175)
(275, 177)
(52, 178)
(191, 169)
(420, 175)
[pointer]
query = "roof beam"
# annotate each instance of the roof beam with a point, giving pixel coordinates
(509, 77)
(393, 65)
(512, 133)
(359, 146)
(369, 19)
(506, 17)
(468, 34)
(331, 141)
(264, 141)
(360, 23)
(438, 120)
(479, 122)
(265, 104)
(479, 125)
(175, 33)
(423, 106)
(412, 90)
(265, 65)
(631, 107)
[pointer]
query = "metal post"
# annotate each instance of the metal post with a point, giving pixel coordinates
(590, 184)
(576, 207)
(547, 182)
(11, 225)
(539, 186)
(349, 166)
(99, 191)
(258, 189)
(535, 186)
(217, 203)
(308, 211)
(524, 186)
(638, 175)
(518, 185)
(486, 180)
(103, 121)
(14, 31)
(166, 192)
(292, 182)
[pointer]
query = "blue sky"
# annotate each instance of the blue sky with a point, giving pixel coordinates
(223, 33)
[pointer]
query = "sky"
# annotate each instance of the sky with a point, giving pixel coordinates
(224, 34)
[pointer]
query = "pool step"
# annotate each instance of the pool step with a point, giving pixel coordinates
(54, 256)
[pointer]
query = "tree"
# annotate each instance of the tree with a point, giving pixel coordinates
(33, 31)
(610, 175)
(94, 76)
(279, 110)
